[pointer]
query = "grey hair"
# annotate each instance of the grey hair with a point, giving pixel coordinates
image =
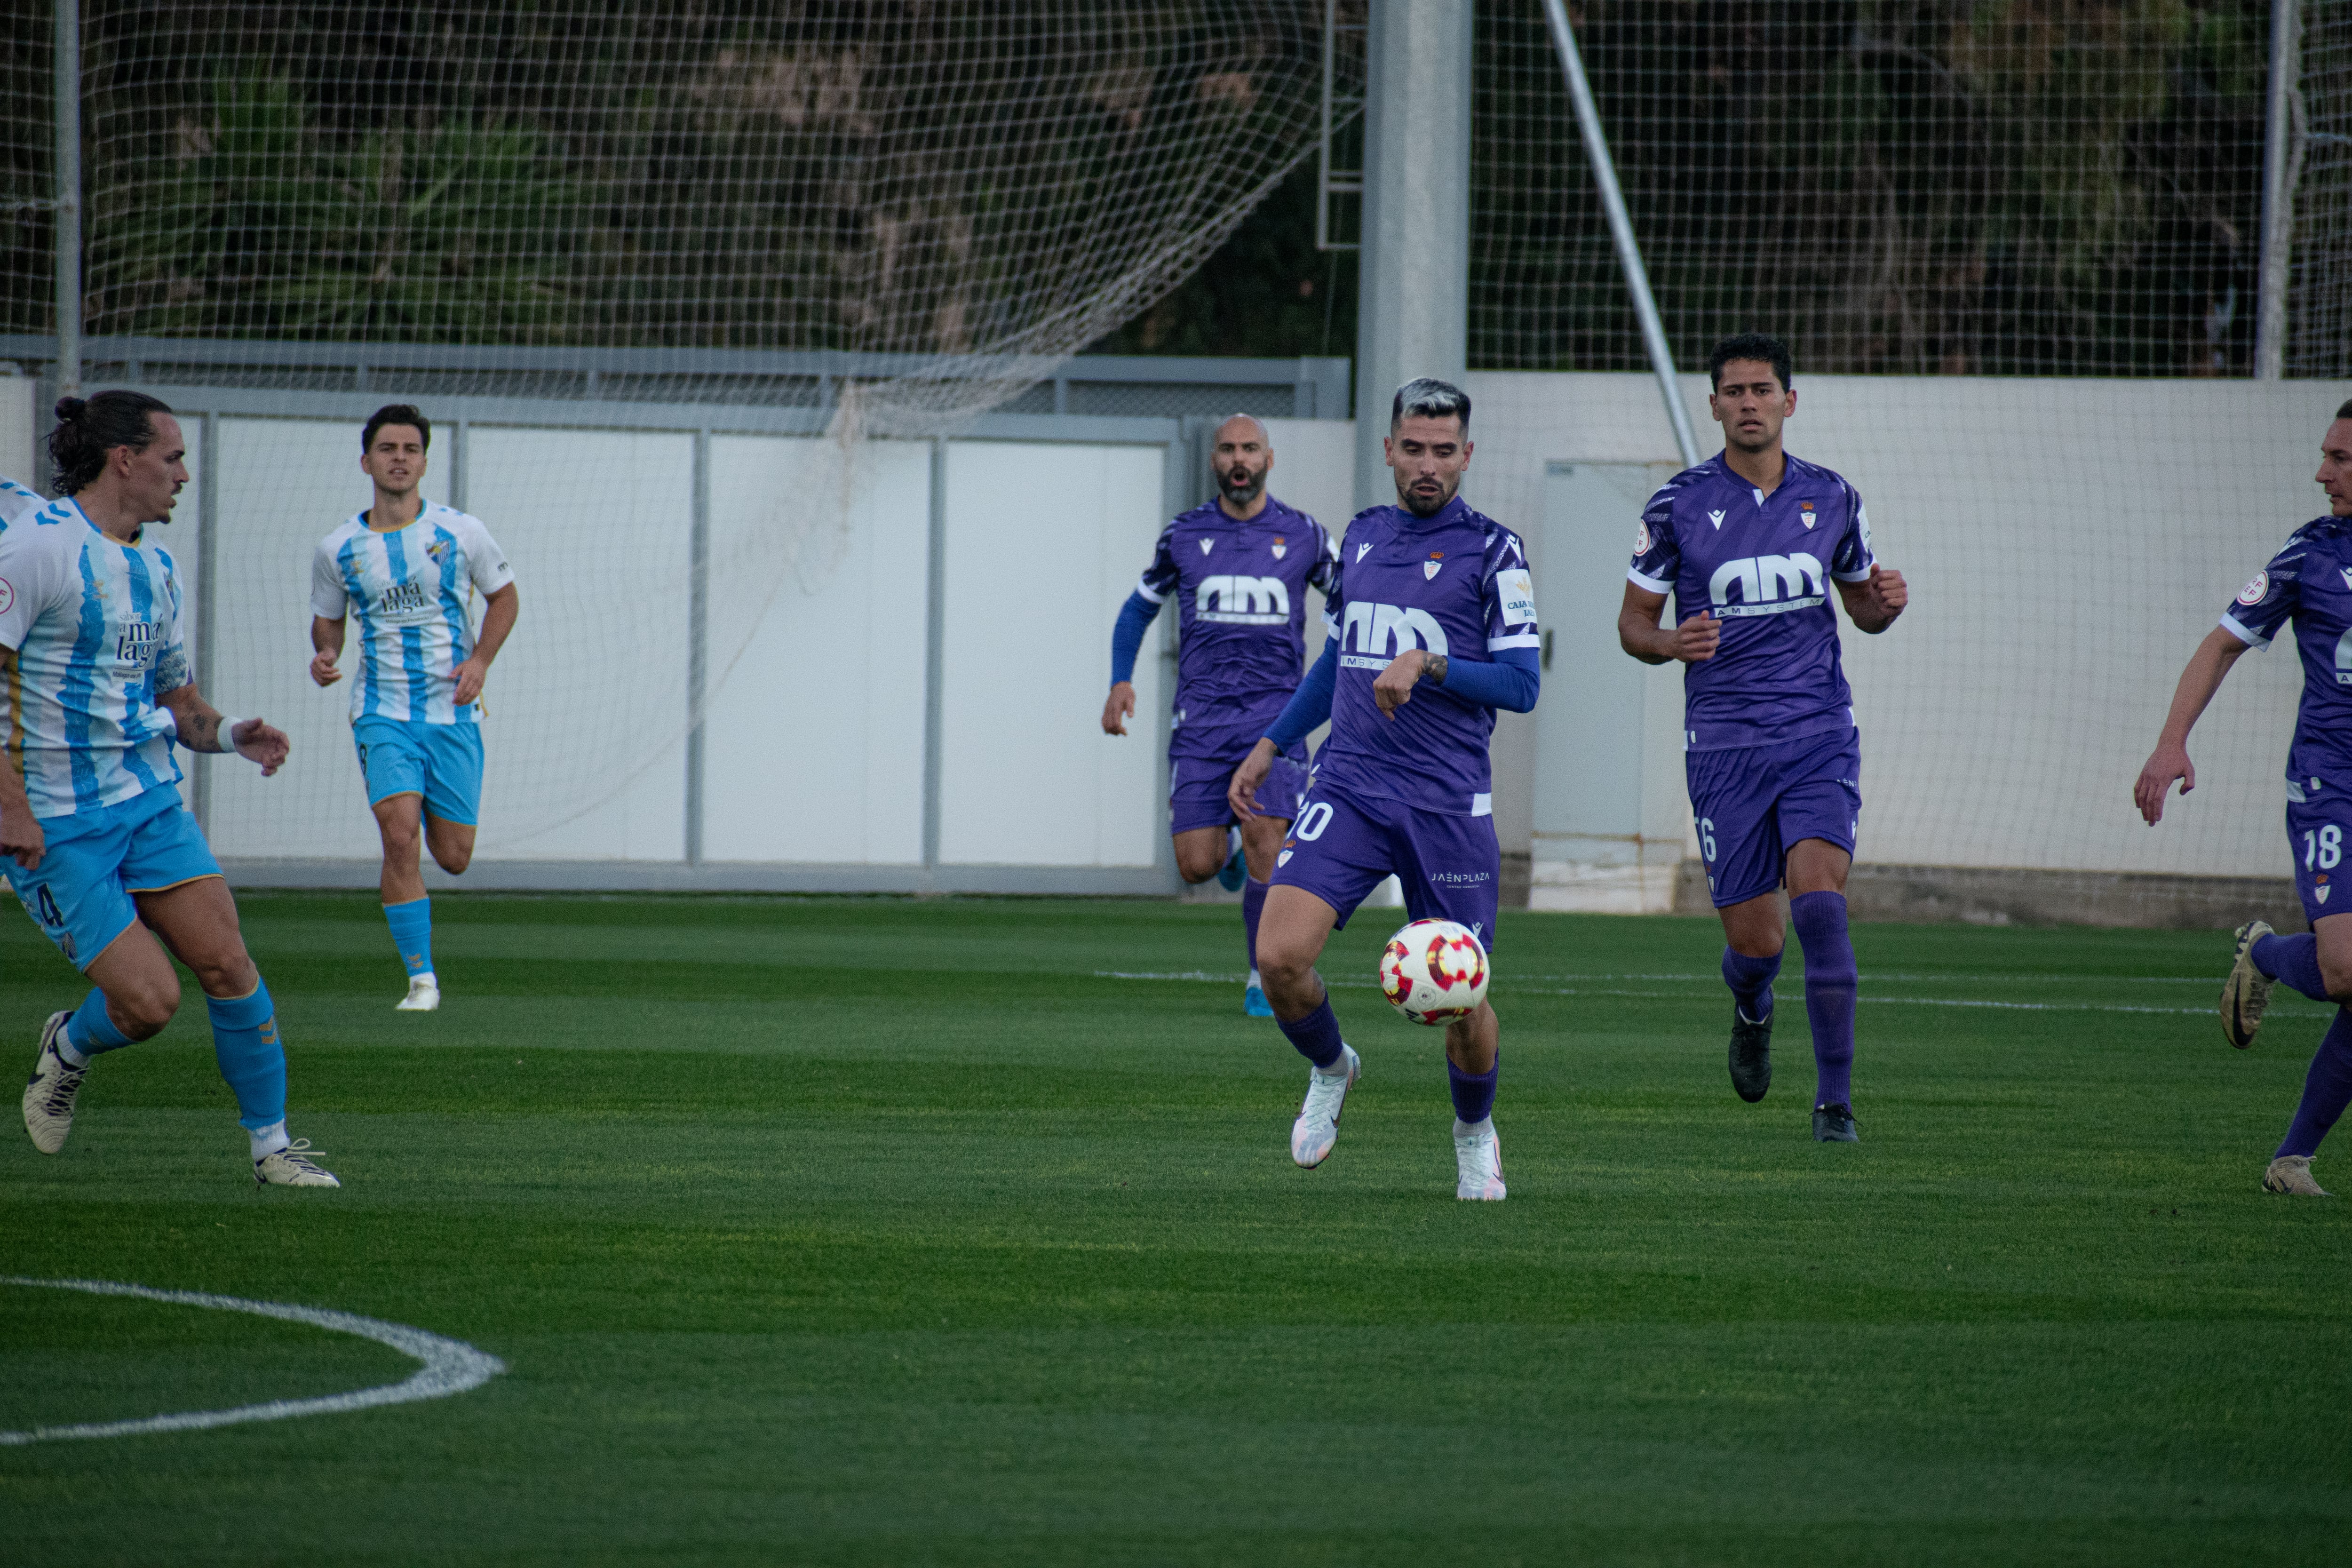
(1427, 398)
(1264, 434)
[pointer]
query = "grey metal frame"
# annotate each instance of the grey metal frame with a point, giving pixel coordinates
(66, 234)
(2282, 166)
(1180, 440)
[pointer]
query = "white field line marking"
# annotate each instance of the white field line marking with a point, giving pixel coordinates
(450, 1366)
(1681, 996)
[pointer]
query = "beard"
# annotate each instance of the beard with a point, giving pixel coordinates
(1424, 504)
(1240, 486)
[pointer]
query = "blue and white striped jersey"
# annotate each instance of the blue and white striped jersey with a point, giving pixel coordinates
(16, 503)
(409, 590)
(93, 629)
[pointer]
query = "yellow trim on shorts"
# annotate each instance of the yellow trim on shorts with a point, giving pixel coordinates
(183, 882)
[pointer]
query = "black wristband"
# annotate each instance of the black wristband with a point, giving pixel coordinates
(1433, 669)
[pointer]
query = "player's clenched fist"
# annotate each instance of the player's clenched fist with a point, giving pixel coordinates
(1696, 638)
(1393, 687)
(322, 666)
(1888, 592)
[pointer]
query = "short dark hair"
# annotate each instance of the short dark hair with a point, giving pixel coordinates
(88, 429)
(2345, 412)
(396, 414)
(1429, 398)
(1762, 346)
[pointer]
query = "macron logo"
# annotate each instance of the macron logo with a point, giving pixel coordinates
(1715, 517)
(1242, 601)
(1362, 551)
(1768, 584)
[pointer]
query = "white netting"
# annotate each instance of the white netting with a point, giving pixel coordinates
(950, 200)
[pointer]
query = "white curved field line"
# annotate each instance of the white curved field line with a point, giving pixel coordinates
(450, 1366)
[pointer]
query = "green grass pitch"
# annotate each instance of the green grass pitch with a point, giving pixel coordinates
(870, 1231)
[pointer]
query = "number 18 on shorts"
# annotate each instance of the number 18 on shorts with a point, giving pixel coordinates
(2317, 830)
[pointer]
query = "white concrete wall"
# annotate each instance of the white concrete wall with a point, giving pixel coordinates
(2067, 544)
(19, 430)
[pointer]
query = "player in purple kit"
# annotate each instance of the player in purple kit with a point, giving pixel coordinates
(2310, 582)
(1239, 568)
(1433, 628)
(1749, 542)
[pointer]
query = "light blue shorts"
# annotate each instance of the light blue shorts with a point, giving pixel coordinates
(443, 763)
(81, 893)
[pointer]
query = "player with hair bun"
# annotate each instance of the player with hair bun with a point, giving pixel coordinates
(93, 835)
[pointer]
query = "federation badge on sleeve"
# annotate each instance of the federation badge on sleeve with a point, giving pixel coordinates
(7, 597)
(2256, 587)
(1642, 538)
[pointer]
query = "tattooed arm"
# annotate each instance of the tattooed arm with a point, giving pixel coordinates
(200, 729)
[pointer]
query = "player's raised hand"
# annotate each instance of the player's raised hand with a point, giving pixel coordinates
(1888, 593)
(1696, 638)
(2168, 762)
(323, 668)
(1118, 708)
(1241, 794)
(257, 741)
(1393, 687)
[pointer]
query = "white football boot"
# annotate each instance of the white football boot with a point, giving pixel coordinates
(424, 994)
(1478, 1162)
(292, 1166)
(1318, 1126)
(49, 1092)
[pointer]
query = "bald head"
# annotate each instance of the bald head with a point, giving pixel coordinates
(1242, 453)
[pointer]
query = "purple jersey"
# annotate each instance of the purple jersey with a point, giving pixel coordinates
(1455, 584)
(1241, 608)
(1759, 563)
(2310, 579)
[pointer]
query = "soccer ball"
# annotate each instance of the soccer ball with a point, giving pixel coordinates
(1435, 971)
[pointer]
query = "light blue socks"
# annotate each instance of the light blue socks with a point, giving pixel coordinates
(412, 932)
(252, 1061)
(89, 1031)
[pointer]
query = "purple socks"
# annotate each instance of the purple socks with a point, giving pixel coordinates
(1751, 980)
(1317, 1035)
(2327, 1088)
(1252, 905)
(2292, 961)
(1473, 1092)
(1830, 980)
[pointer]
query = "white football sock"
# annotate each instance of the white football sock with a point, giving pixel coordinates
(267, 1141)
(1477, 1129)
(67, 1055)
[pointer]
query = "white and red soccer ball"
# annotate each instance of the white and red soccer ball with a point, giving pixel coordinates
(1435, 971)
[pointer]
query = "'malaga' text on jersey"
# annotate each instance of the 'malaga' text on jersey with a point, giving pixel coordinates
(1455, 584)
(1761, 565)
(1240, 604)
(407, 589)
(94, 627)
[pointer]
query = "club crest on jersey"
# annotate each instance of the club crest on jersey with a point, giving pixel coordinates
(436, 550)
(1805, 514)
(1429, 567)
(1715, 517)
(1280, 549)
(1207, 545)
(2256, 586)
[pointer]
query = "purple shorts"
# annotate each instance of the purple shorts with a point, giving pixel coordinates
(1753, 802)
(1196, 789)
(2317, 833)
(1341, 846)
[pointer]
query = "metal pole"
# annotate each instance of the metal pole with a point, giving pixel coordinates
(1620, 228)
(697, 648)
(934, 619)
(68, 71)
(2278, 189)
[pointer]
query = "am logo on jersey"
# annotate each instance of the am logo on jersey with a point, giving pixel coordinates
(1768, 584)
(1373, 635)
(1239, 601)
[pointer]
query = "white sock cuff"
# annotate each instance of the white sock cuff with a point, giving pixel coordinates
(1478, 1129)
(267, 1141)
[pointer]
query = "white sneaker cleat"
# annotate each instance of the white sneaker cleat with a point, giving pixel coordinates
(1478, 1163)
(49, 1092)
(292, 1166)
(1318, 1126)
(424, 994)
(2291, 1174)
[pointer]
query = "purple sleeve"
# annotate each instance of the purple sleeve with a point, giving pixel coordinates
(1310, 705)
(1851, 559)
(1158, 579)
(1325, 574)
(1656, 556)
(2269, 598)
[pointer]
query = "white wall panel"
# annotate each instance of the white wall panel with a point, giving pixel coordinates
(598, 525)
(1044, 543)
(282, 486)
(813, 747)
